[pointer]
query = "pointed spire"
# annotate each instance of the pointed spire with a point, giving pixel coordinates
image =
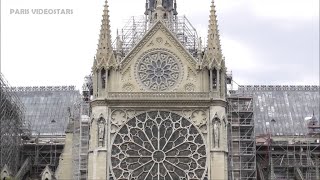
(161, 10)
(105, 46)
(213, 53)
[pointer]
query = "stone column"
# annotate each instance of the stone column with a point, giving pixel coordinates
(218, 80)
(210, 80)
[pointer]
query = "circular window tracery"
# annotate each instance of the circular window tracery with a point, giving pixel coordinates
(158, 145)
(158, 70)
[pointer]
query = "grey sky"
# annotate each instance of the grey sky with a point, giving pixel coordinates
(264, 41)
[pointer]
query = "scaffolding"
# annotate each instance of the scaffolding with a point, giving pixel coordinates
(288, 157)
(48, 109)
(81, 133)
(81, 143)
(136, 28)
(12, 126)
(42, 151)
(242, 148)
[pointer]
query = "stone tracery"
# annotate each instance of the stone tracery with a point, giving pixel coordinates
(159, 145)
(158, 70)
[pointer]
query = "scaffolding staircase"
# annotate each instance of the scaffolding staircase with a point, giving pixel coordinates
(298, 174)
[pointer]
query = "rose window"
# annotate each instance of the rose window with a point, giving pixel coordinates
(158, 70)
(158, 145)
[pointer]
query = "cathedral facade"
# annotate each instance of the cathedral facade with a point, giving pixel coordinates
(159, 107)
(156, 107)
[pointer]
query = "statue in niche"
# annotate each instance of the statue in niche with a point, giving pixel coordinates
(216, 132)
(101, 130)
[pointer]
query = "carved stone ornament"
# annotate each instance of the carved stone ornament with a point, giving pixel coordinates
(158, 70)
(159, 40)
(199, 118)
(189, 87)
(118, 117)
(127, 87)
(158, 145)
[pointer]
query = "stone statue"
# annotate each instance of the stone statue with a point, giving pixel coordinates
(101, 128)
(216, 133)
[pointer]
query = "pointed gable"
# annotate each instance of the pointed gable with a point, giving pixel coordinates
(47, 174)
(161, 42)
(5, 172)
(170, 42)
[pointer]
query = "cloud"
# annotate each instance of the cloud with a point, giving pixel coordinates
(275, 39)
(286, 9)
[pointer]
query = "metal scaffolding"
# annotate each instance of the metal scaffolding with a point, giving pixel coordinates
(287, 146)
(288, 157)
(242, 156)
(11, 126)
(42, 151)
(81, 143)
(48, 109)
(81, 133)
(136, 28)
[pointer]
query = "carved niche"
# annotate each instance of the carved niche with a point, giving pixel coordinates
(101, 131)
(216, 123)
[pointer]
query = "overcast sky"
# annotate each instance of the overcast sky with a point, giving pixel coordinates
(264, 41)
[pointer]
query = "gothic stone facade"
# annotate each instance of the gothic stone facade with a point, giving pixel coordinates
(156, 117)
(158, 112)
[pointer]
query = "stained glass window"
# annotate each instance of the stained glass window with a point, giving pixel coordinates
(158, 145)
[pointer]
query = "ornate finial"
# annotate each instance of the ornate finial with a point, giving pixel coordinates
(118, 43)
(105, 46)
(213, 52)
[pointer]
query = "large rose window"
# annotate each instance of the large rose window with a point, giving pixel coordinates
(158, 145)
(158, 70)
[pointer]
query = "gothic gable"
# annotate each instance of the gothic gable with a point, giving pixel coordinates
(159, 62)
(154, 38)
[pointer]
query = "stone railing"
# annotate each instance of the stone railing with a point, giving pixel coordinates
(159, 95)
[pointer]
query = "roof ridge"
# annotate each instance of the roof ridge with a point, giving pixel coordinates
(41, 88)
(279, 87)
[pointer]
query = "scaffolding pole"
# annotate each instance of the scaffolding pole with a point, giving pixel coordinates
(11, 126)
